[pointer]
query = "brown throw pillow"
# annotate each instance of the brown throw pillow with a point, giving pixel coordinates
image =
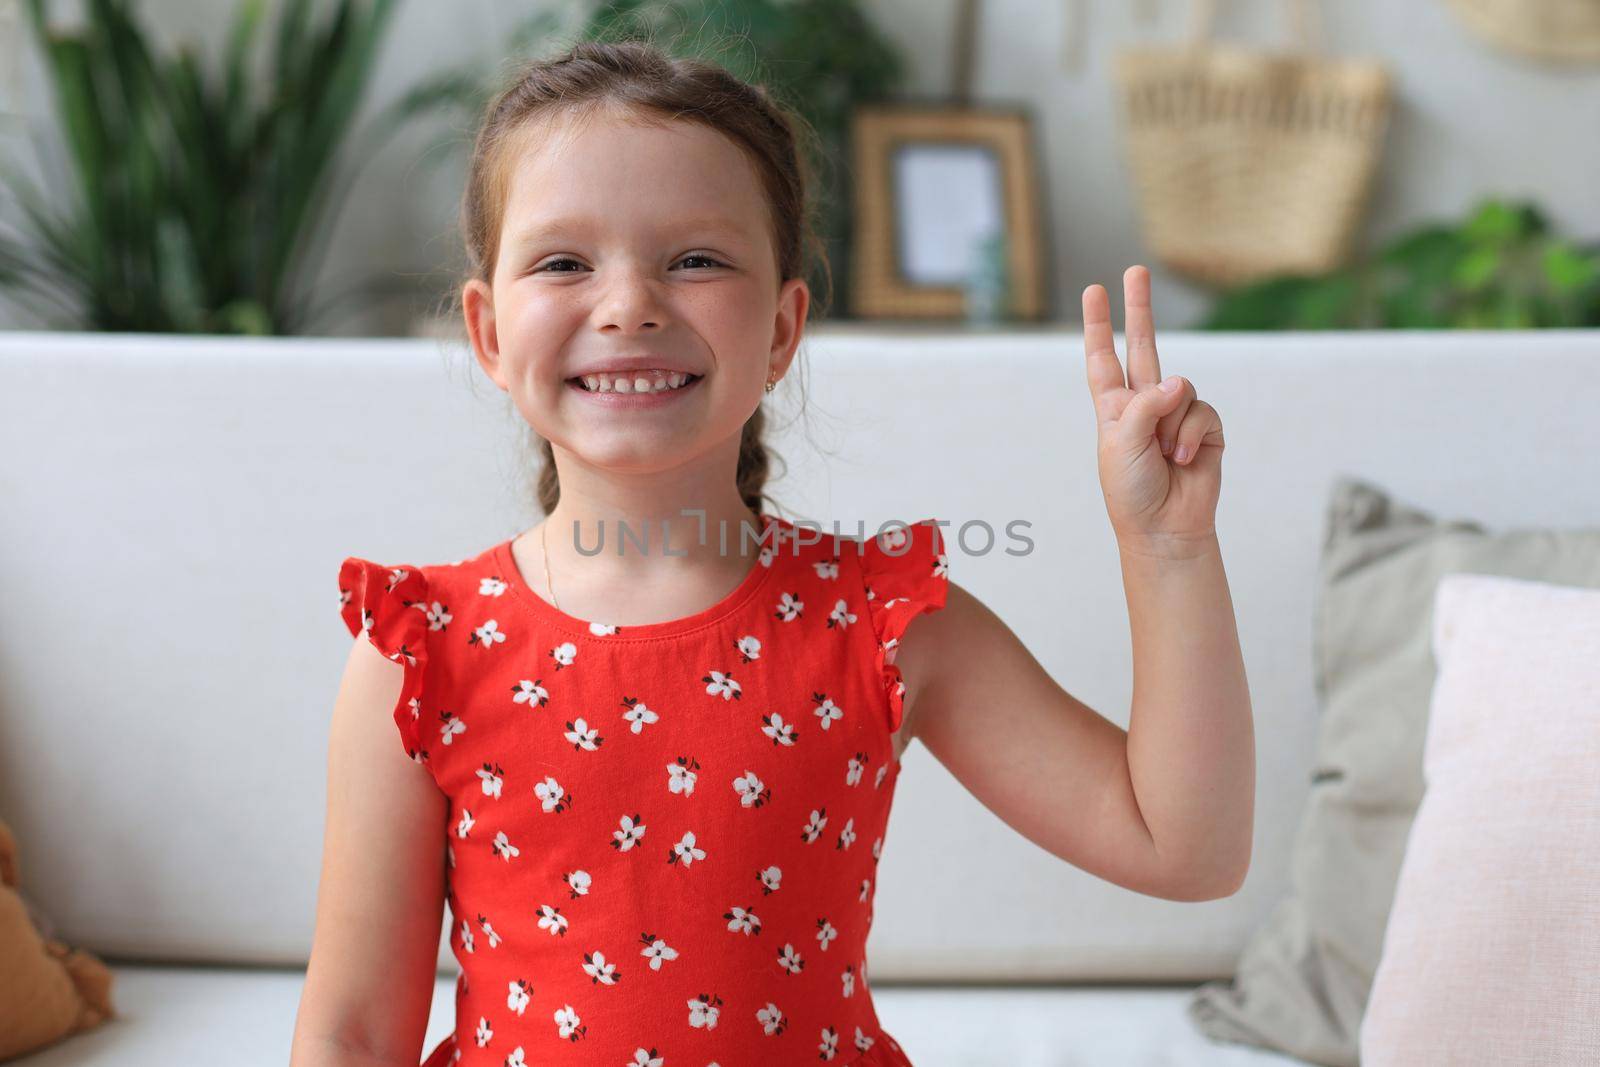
(1303, 979)
(47, 990)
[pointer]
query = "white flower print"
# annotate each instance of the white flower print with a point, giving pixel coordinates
(777, 730)
(564, 654)
(704, 1009)
(894, 539)
(517, 995)
(847, 836)
(790, 960)
(513, 1060)
(825, 933)
(396, 576)
(893, 602)
(582, 736)
(488, 635)
(855, 769)
(827, 710)
(450, 726)
(602, 629)
(628, 836)
(887, 603)
(533, 693)
(504, 847)
(772, 1020)
(863, 1041)
(684, 850)
(723, 685)
(641, 1058)
(877, 848)
(656, 951)
(492, 779)
(466, 937)
(749, 647)
(741, 921)
(769, 879)
(599, 971)
(849, 979)
(551, 919)
(828, 1048)
(567, 1023)
(827, 568)
(578, 882)
(866, 889)
(464, 824)
(638, 715)
(813, 827)
(878, 778)
(489, 931)
(941, 566)
(491, 586)
(438, 615)
(841, 615)
(681, 776)
(415, 704)
(483, 1033)
(752, 794)
(551, 796)
(789, 608)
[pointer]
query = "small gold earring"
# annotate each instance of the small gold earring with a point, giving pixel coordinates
(771, 385)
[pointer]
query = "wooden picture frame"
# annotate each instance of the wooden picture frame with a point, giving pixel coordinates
(929, 178)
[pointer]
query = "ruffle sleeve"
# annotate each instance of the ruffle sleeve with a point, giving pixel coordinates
(905, 573)
(389, 605)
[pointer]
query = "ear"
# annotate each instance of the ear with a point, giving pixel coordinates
(794, 299)
(477, 304)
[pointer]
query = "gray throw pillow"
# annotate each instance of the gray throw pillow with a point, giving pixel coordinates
(1303, 979)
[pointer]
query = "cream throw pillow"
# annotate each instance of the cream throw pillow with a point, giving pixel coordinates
(1492, 951)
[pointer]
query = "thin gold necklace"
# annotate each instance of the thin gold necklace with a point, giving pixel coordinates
(544, 552)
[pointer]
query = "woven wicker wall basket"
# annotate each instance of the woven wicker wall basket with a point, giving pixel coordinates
(1249, 163)
(1541, 29)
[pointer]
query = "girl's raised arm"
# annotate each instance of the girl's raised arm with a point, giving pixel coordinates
(1166, 807)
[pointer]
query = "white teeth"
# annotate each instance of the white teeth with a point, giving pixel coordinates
(646, 382)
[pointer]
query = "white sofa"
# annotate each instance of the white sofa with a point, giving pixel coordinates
(176, 508)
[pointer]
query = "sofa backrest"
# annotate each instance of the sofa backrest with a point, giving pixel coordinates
(176, 508)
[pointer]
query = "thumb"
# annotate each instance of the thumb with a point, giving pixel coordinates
(1137, 423)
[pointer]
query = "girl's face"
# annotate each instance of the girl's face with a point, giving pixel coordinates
(628, 246)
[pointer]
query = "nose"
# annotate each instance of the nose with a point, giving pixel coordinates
(629, 303)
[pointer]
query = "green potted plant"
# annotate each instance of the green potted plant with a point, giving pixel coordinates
(1500, 268)
(195, 203)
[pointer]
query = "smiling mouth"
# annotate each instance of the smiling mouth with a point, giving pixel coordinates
(689, 382)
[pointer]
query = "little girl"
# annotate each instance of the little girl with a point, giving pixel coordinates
(653, 786)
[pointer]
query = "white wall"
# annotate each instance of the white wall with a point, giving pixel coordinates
(1471, 121)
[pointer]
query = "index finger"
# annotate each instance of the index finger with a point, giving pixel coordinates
(1100, 351)
(1139, 329)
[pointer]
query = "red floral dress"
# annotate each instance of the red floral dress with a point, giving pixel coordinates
(663, 838)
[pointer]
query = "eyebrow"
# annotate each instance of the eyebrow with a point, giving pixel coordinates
(708, 224)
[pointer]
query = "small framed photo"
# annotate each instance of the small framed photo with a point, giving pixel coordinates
(944, 195)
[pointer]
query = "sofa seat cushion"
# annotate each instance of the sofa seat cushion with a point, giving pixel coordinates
(245, 1016)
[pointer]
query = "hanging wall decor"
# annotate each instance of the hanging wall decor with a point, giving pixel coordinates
(1562, 30)
(1250, 163)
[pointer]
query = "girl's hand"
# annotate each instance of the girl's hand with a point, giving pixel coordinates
(1160, 452)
